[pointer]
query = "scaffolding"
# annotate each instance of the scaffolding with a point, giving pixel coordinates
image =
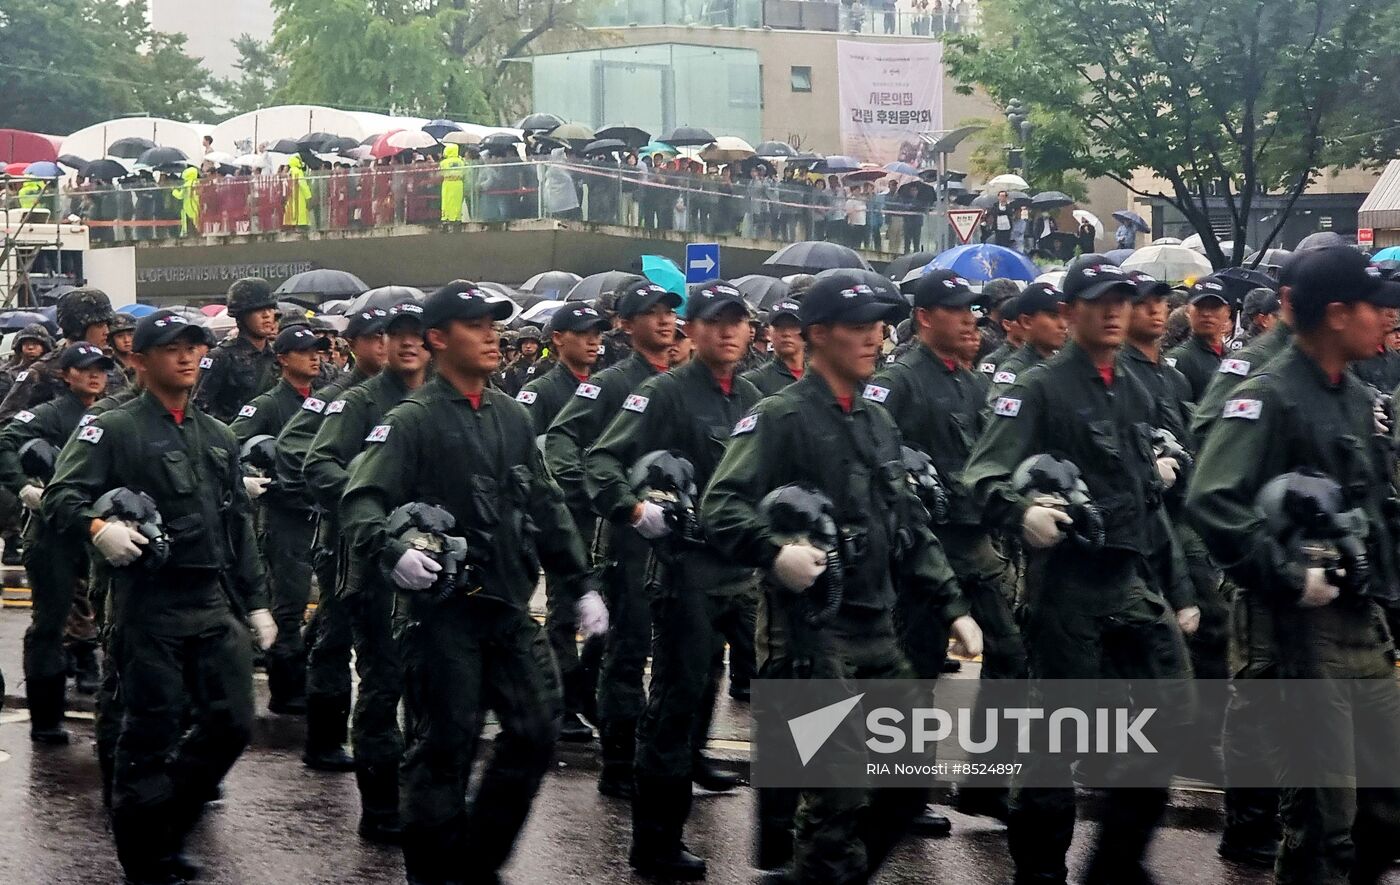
(38, 252)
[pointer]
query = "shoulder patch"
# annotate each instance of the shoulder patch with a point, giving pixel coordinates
(602, 348)
(24, 416)
(588, 391)
(378, 434)
(1243, 408)
(312, 404)
(86, 420)
(22, 375)
(1008, 407)
(1004, 378)
(636, 403)
(987, 368)
(875, 393)
(1170, 360)
(746, 425)
(91, 434)
(530, 371)
(206, 361)
(248, 411)
(527, 397)
(333, 408)
(1234, 367)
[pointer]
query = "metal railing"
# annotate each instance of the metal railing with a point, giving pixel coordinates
(900, 17)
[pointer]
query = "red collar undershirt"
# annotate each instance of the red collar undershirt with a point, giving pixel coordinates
(1106, 373)
(846, 403)
(178, 415)
(303, 391)
(474, 399)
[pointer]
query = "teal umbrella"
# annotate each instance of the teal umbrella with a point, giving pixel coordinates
(657, 147)
(663, 272)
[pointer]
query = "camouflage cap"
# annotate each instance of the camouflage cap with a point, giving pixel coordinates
(249, 294)
(121, 322)
(35, 332)
(80, 308)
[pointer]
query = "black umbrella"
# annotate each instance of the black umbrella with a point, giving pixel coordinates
(688, 136)
(16, 320)
(762, 292)
(804, 160)
(383, 297)
(885, 289)
(105, 170)
(773, 150)
(72, 161)
(1051, 200)
(812, 256)
(1268, 258)
(1323, 239)
(920, 192)
(501, 138)
(604, 146)
(284, 146)
(590, 288)
(1239, 280)
(438, 128)
(1132, 219)
(896, 269)
(631, 136)
(318, 285)
(321, 142)
(1015, 199)
(163, 156)
(747, 165)
(552, 284)
(963, 198)
(540, 123)
(129, 148)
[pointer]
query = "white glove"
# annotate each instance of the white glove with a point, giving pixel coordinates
(1382, 419)
(592, 614)
(256, 485)
(1167, 469)
(798, 566)
(651, 524)
(1041, 526)
(30, 494)
(1189, 619)
(967, 637)
(415, 570)
(1317, 590)
(264, 627)
(119, 543)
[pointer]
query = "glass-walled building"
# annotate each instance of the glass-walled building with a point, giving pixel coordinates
(657, 87)
(722, 13)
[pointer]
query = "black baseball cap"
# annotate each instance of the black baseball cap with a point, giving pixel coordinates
(642, 296)
(370, 321)
(84, 356)
(1091, 281)
(577, 317)
(1039, 298)
(943, 288)
(404, 313)
(298, 338)
(1149, 286)
(783, 310)
(712, 299)
(1011, 307)
(834, 300)
(163, 327)
(1209, 286)
(1337, 273)
(462, 300)
(1261, 301)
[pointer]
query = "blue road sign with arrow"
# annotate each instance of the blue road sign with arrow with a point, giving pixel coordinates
(701, 262)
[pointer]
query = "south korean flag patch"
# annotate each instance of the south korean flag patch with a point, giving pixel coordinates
(312, 404)
(636, 403)
(1249, 409)
(248, 411)
(875, 393)
(987, 368)
(378, 434)
(527, 397)
(1004, 378)
(335, 407)
(1170, 360)
(86, 420)
(588, 391)
(205, 362)
(21, 376)
(1008, 407)
(1234, 367)
(90, 434)
(746, 425)
(24, 416)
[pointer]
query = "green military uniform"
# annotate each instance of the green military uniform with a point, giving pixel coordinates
(181, 648)
(1088, 614)
(545, 397)
(43, 381)
(616, 348)
(288, 528)
(991, 363)
(55, 564)
(1381, 372)
(803, 435)
(472, 651)
(1288, 417)
(232, 374)
(1009, 371)
(1248, 360)
(1197, 360)
(771, 377)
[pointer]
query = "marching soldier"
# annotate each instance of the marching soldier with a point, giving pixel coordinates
(528, 339)
(789, 353)
(119, 333)
(83, 315)
(1008, 315)
(178, 599)
(1208, 312)
(32, 342)
(471, 644)
(243, 366)
(1040, 327)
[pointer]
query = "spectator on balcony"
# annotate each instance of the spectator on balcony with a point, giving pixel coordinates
(296, 211)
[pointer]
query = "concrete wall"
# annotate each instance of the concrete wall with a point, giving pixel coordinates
(212, 26)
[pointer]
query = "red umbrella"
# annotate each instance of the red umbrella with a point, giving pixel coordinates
(15, 168)
(381, 147)
(213, 310)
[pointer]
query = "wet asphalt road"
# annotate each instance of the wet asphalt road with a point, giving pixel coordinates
(281, 823)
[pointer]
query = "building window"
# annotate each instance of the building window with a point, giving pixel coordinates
(801, 78)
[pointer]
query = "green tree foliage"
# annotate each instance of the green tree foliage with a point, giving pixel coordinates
(1048, 164)
(65, 64)
(1222, 99)
(261, 76)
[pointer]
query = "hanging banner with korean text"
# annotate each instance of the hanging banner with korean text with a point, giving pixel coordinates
(889, 93)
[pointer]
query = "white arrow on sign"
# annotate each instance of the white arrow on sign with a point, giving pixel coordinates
(964, 222)
(707, 264)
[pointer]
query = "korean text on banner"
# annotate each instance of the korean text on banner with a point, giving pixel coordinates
(889, 93)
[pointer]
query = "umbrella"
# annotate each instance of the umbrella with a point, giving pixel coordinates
(1132, 219)
(1083, 215)
(657, 147)
(964, 198)
(775, 150)
(538, 314)
(727, 149)
(1171, 263)
(1166, 241)
(837, 163)
(213, 310)
(324, 282)
(803, 160)
(1055, 278)
(163, 156)
(540, 123)
(746, 167)
(812, 256)
(980, 262)
(461, 138)
(868, 172)
(551, 283)
(1016, 199)
(72, 161)
(221, 158)
(1389, 253)
(336, 306)
(664, 273)
(688, 136)
(284, 146)
(590, 288)
(1007, 182)
(1268, 258)
(1322, 239)
(321, 142)
(438, 128)
(15, 320)
(920, 191)
(136, 310)
(628, 135)
(361, 153)
(1051, 200)
(1118, 256)
(105, 170)
(1238, 281)
(501, 139)
(410, 140)
(605, 146)
(762, 292)
(383, 297)
(573, 132)
(896, 269)
(43, 169)
(901, 169)
(129, 148)
(883, 287)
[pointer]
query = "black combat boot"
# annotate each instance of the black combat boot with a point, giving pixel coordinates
(326, 718)
(46, 704)
(87, 675)
(379, 803)
(659, 810)
(286, 683)
(144, 845)
(619, 747)
(709, 776)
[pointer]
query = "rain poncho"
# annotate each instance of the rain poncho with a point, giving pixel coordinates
(29, 194)
(295, 213)
(454, 171)
(557, 189)
(188, 195)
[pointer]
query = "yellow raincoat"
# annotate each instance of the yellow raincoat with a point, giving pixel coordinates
(296, 211)
(188, 195)
(29, 194)
(454, 171)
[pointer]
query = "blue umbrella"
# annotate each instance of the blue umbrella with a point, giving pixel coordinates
(901, 169)
(664, 273)
(980, 262)
(1133, 220)
(136, 310)
(15, 320)
(837, 163)
(1118, 256)
(43, 169)
(438, 128)
(657, 147)
(1390, 253)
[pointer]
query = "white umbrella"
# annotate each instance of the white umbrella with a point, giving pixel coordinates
(1007, 182)
(1083, 215)
(1166, 241)
(410, 140)
(542, 311)
(218, 157)
(1171, 263)
(462, 138)
(1055, 278)
(727, 149)
(252, 161)
(1194, 242)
